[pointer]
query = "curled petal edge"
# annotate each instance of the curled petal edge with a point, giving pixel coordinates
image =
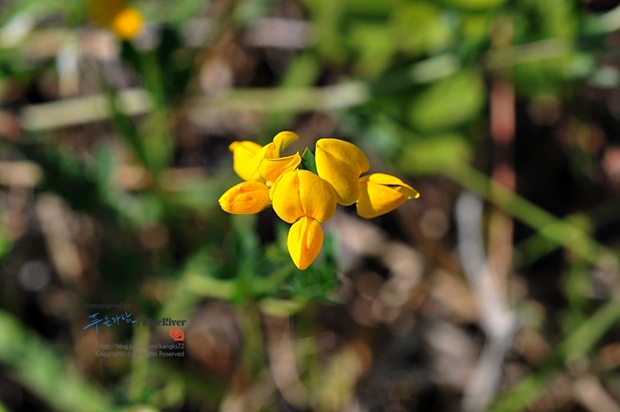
(381, 193)
(271, 169)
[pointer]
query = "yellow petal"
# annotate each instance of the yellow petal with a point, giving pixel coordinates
(394, 182)
(245, 198)
(280, 141)
(128, 23)
(301, 193)
(245, 159)
(271, 169)
(283, 139)
(304, 242)
(341, 164)
(248, 156)
(381, 193)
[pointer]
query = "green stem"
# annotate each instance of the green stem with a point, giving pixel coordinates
(139, 364)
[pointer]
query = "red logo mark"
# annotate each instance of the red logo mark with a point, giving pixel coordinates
(177, 334)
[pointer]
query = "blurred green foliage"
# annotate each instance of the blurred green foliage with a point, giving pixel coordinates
(409, 80)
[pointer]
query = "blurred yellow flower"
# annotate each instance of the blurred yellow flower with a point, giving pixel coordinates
(306, 199)
(125, 21)
(128, 23)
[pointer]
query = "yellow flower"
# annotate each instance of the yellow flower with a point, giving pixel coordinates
(381, 193)
(304, 199)
(125, 21)
(128, 23)
(253, 162)
(259, 167)
(342, 163)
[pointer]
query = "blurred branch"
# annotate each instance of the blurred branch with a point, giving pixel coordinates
(498, 321)
(71, 112)
(593, 396)
(584, 337)
(588, 333)
(80, 110)
(64, 254)
(251, 388)
(282, 362)
(509, 56)
(425, 71)
(555, 229)
(488, 276)
(269, 100)
(603, 24)
(537, 245)
(578, 342)
(279, 33)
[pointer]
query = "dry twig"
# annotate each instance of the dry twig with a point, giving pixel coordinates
(498, 322)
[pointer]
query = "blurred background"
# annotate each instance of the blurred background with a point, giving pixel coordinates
(496, 290)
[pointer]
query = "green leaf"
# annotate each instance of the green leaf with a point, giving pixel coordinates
(448, 103)
(375, 45)
(434, 154)
(307, 161)
(420, 28)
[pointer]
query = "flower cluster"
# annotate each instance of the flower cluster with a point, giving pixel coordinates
(305, 198)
